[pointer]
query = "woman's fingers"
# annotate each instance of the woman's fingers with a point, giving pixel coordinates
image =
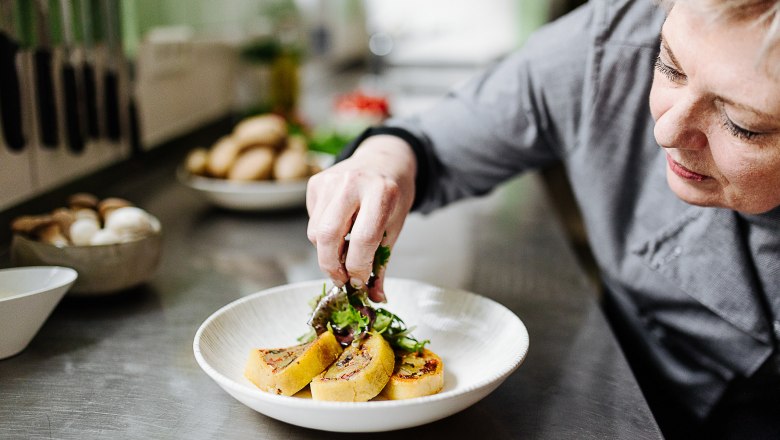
(376, 291)
(379, 202)
(331, 208)
(368, 195)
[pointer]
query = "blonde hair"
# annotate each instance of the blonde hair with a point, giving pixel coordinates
(760, 13)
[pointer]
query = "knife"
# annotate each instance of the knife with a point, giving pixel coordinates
(110, 78)
(135, 128)
(88, 70)
(73, 128)
(10, 92)
(44, 83)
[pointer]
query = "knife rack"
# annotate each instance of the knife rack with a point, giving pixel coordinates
(80, 144)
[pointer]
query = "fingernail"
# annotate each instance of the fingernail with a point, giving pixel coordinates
(357, 283)
(338, 283)
(381, 296)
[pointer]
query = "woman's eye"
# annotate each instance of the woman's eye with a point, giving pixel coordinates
(737, 131)
(668, 71)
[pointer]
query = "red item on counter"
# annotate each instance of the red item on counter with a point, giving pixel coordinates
(361, 102)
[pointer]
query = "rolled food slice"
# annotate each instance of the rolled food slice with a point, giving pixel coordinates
(359, 374)
(416, 374)
(286, 371)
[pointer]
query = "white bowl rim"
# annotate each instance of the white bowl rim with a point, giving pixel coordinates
(216, 185)
(71, 276)
(153, 234)
(297, 402)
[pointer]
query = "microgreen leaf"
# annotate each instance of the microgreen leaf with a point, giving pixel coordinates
(381, 258)
(348, 313)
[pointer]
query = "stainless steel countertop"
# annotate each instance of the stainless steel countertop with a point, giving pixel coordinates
(122, 366)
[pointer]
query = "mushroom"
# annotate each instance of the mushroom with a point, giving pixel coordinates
(83, 230)
(107, 206)
(82, 200)
(64, 217)
(52, 234)
(129, 223)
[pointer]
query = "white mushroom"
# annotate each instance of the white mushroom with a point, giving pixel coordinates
(104, 236)
(83, 230)
(130, 223)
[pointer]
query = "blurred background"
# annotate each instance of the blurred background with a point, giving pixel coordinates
(85, 84)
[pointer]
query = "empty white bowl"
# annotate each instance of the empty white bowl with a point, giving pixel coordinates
(27, 297)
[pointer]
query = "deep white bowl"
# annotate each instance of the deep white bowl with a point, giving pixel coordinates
(27, 297)
(480, 342)
(102, 269)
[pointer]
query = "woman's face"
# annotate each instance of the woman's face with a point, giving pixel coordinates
(717, 113)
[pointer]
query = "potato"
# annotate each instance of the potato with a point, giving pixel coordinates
(268, 129)
(197, 161)
(297, 142)
(222, 156)
(291, 165)
(255, 164)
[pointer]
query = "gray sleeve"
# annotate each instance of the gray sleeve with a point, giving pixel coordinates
(522, 113)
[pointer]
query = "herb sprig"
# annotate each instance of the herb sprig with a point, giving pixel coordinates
(348, 313)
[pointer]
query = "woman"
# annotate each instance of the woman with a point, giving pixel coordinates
(681, 198)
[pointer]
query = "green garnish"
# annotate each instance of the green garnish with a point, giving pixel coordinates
(314, 301)
(308, 336)
(329, 142)
(393, 328)
(348, 313)
(349, 317)
(381, 258)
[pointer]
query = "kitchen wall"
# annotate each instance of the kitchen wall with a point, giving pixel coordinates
(177, 65)
(196, 45)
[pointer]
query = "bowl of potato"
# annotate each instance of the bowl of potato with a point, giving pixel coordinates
(112, 244)
(258, 166)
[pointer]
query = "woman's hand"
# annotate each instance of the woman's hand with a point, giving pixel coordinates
(367, 196)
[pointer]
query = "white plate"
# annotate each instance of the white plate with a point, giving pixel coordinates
(247, 196)
(480, 342)
(253, 196)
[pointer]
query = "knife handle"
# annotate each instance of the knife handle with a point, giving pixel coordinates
(47, 105)
(72, 115)
(10, 95)
(90, 95)
(135, 129)
(112, 105)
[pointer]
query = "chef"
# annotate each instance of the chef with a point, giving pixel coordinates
(667, 119)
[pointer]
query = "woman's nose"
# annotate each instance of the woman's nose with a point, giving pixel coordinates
(680, 127)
